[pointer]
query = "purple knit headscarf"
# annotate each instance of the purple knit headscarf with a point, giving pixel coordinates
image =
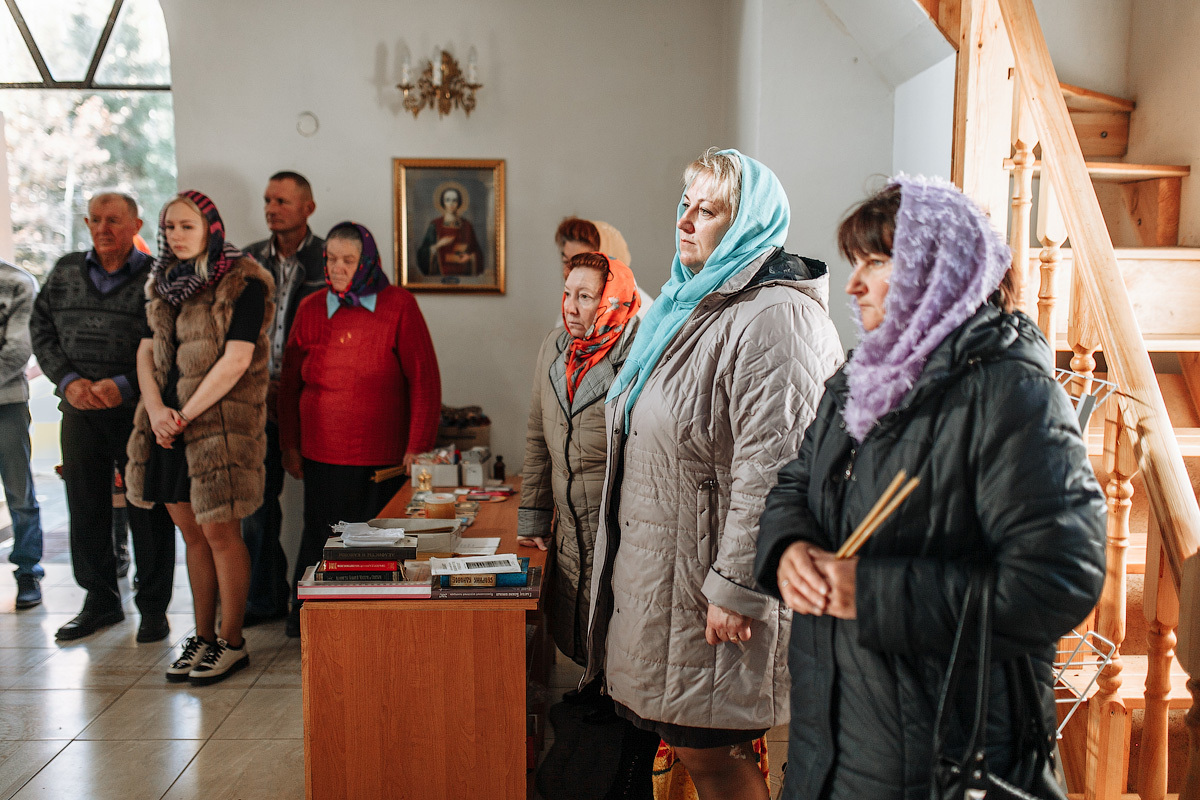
(369, 278)
(946, 260)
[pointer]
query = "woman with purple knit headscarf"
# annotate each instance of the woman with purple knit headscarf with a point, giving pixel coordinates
(359, 391)
(953, 386)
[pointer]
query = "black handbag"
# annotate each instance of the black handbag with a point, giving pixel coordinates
(968, 777)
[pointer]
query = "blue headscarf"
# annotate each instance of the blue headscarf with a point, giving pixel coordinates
(761, 224)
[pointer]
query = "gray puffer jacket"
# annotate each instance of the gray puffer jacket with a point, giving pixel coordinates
(724, 408)
(563, 478)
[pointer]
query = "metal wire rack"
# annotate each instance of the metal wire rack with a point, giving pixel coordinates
(1087, 402)
(1080, 659)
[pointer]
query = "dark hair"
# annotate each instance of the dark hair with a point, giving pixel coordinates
(870, 227)
(295, 177)
(589, 260)
(347, 232)
(574, 229)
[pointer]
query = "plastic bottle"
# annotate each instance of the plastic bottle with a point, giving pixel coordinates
(498, 470)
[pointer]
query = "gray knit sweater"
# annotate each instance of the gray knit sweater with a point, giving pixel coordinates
(77, 329)
(17, 290)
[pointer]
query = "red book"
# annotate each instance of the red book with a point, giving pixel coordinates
(361, 566)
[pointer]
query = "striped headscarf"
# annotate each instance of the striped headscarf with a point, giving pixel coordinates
(619, 303)
(369, 278)
(177, 280)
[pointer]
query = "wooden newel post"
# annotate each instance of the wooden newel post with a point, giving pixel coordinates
(1081, 335)
(1051, 232)
(1108, 719)
(1160, 606)
(1024, 140)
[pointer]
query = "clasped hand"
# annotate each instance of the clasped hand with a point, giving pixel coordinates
(814, 581)
(166, 423)
(724, 625)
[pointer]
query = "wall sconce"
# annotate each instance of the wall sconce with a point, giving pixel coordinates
(442, 84)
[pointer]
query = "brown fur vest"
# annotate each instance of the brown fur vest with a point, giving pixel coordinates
(225, 445)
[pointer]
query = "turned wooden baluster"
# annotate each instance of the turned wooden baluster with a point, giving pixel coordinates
(1160, 605)
(1107, 760)
(1081, 335)
(1024, 140)
(1051, 232)
(1191, 782)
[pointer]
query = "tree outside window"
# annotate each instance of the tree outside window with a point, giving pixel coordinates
(86, 107)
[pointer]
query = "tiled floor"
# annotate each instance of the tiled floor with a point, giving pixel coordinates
(96, 719)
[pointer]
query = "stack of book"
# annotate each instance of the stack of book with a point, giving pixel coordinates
(483, 585)
(363, 572)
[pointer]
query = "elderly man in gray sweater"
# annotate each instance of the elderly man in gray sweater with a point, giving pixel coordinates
(17, 290)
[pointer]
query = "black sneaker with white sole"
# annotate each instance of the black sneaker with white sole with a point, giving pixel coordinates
(194, 649)
(219, 663)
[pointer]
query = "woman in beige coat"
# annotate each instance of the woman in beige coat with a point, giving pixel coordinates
(564, 446)
(724, 376)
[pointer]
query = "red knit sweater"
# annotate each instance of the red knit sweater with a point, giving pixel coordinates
(361, 387)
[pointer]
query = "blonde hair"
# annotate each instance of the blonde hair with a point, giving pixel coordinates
(201, 262)
(726, 173)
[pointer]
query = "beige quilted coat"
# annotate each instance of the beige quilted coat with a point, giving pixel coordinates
(725, 407)
(563, 477)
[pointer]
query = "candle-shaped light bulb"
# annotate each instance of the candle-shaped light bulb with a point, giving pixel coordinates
(437, 66)
(406, 72)
(472, 67)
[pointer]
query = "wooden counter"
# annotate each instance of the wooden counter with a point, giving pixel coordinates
(418, 698)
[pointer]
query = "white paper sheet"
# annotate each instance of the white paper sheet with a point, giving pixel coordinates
(478, 546)
(475, 564)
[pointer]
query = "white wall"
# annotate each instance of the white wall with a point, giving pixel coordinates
(824, 126)
(596, 107)
(924, 121)
(1164, 77)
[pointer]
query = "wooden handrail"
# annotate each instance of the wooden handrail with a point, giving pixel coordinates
(1167, 484)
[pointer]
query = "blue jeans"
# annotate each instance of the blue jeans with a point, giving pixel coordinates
(18, 489)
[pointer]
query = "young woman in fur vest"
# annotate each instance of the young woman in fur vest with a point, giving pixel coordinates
(199, 434)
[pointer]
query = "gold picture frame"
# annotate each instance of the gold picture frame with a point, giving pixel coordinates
(449, 226)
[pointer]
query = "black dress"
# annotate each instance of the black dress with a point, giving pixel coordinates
(167, 479)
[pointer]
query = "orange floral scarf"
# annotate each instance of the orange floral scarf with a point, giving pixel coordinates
(619, 303)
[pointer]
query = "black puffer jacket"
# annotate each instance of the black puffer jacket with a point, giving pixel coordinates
(1005, 481)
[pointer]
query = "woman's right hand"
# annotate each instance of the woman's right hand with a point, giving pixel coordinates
(165, 423)
(293, 464)
(533, 541)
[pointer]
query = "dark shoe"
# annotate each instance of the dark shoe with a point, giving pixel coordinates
(251, 619)
(219, 662)
(29, 591)
(154, 628)
(87, 623)
(293, 624)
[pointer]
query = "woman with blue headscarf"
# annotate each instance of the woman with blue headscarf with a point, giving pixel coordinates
(723, 377)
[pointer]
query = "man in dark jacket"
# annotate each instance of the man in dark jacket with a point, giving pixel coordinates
(295, 257)
(87, 324)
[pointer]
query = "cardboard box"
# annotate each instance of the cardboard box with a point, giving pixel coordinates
(442, 475)
(464, 438)
(475, 474)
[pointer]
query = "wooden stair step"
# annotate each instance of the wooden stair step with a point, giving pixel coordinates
(1119, 172)
(1133, 683)
(1080, 99)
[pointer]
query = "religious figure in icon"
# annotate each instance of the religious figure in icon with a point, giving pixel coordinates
(450, 247)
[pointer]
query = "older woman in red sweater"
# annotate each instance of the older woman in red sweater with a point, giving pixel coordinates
(360, 390)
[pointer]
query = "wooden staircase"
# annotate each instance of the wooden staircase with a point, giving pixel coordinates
(1107, 310)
